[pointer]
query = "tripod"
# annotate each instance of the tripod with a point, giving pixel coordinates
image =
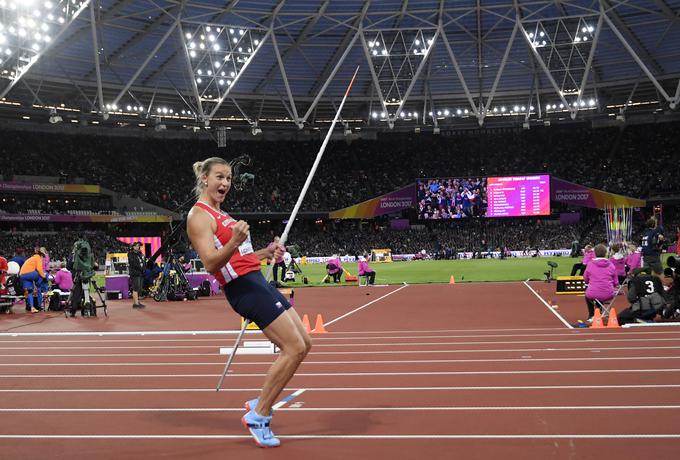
(81, 298)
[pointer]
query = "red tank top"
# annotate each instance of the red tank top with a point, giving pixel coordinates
(243, 260)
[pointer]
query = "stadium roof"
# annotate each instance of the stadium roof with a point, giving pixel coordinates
(256, 62)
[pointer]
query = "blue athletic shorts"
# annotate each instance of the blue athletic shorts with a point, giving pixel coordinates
(253, 298)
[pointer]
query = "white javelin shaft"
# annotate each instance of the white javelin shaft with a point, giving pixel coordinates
(310, 177)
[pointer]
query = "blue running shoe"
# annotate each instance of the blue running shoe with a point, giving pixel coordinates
(258, 425)
(252, 404)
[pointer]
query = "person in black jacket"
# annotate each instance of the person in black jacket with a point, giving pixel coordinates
(136, 264)
(645, 294)
(652, 241)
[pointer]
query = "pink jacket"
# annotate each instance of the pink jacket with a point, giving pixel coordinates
(64, 280)
(46, 264)
(619, 263)
(337, 263)
(600, 275)
(363, 268)
(588, 256)
(633, 260)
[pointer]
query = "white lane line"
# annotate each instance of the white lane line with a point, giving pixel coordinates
(364, 306)
(348, 409)
(288, 399)
(669, 324)
(343, 353)
(236, 331)
(326, 338)
(343, 374)
(552, 310)
(341, 389)
(122, 333)
(383, 344)
(527, 359)
(345, 436)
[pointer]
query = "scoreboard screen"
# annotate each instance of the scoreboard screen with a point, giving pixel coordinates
(518, 196)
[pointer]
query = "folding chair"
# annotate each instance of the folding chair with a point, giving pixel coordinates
(605, 306)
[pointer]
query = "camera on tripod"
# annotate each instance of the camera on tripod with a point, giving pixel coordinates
(550, 274)
(173, 283)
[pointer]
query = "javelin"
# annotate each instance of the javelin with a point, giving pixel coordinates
(284, 235)
(291, 219)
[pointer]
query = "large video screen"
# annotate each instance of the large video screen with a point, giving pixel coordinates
(518, 196)
(460, 198)
(451, 198)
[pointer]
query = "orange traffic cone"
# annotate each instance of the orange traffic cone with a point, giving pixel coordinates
(597, 320)
(305, 321)
(319, 328)
(452, 280)
(613, 322)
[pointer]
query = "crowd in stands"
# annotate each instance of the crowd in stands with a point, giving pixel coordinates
(637, 161)
(469, 235)
(453, 198)
(440, 239)
(46, 204)
(58, 244)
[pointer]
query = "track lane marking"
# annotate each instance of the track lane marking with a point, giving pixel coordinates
(552, 310)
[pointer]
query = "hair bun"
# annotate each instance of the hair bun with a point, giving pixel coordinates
(197, 168)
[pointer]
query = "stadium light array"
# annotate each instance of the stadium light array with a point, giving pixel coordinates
(28, 27)
(218, 54)
(589, 103)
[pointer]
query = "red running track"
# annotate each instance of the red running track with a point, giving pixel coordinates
(472, 371)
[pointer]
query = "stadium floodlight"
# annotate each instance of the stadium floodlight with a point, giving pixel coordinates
(27, 29)
(222, 52)
(591, 102)
(54, 117)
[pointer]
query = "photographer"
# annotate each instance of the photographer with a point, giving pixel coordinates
(136, 264)
(672, 296)
(645, 294)
(652, 240)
